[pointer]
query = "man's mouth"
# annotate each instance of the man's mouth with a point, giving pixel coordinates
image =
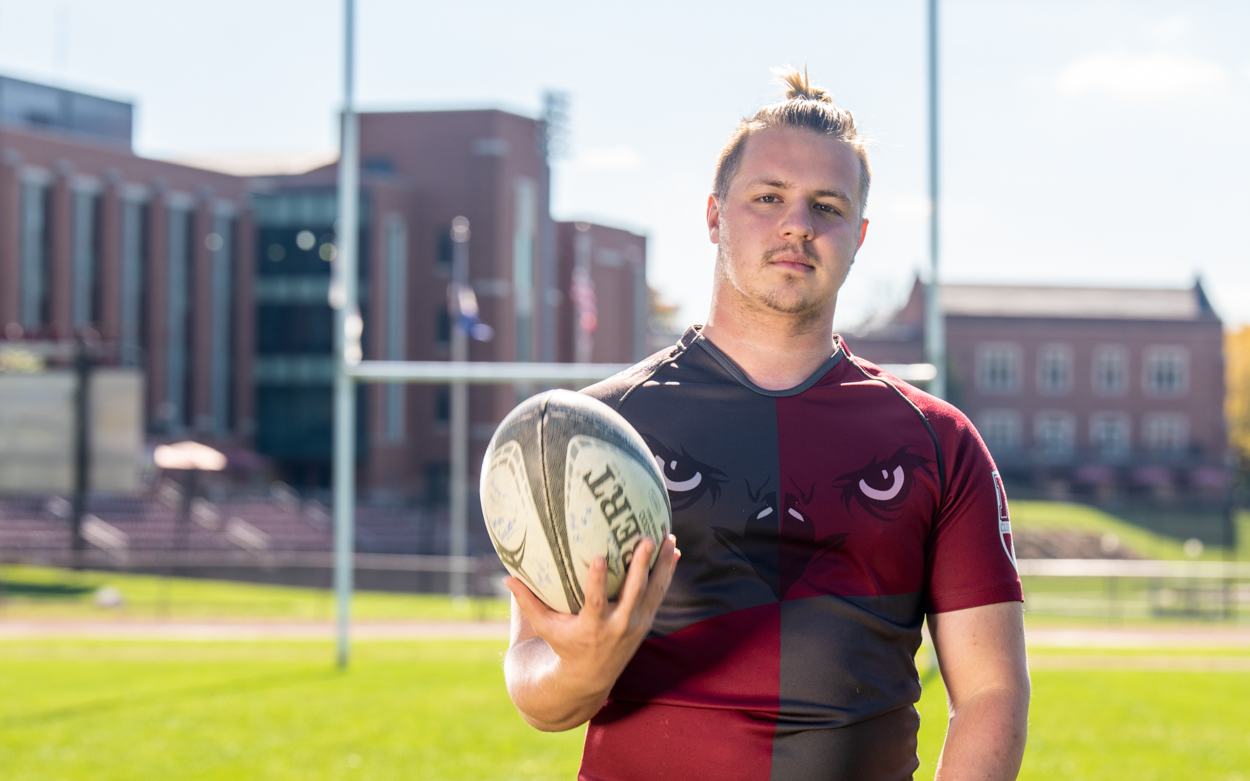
(793, 264)
(791, 259)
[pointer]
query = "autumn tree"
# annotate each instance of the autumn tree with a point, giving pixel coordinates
(1237, 400)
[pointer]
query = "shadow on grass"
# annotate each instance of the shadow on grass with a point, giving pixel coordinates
(11, 588)
(122, 702)
(1179, 523)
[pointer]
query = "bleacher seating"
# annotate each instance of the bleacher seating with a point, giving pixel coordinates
(153, 523)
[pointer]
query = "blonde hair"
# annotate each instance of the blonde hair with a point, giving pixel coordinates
(805, 107)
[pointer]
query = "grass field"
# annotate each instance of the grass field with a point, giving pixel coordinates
(126, 710)
(75, 709)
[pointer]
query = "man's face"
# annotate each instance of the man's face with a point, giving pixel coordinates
(789, 227)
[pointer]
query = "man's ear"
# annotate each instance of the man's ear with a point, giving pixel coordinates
(713, 219)
(863, 231)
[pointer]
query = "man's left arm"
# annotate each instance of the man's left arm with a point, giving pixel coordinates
(982, 658)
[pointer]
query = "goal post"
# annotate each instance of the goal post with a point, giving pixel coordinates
(430, 373)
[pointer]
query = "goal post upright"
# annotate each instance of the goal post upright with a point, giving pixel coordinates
(347, 330)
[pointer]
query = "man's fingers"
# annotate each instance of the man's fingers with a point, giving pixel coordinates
(662, 574)
(534, 608)
(596, 592)
(636, 578)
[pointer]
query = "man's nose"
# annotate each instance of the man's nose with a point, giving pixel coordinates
(796, 223)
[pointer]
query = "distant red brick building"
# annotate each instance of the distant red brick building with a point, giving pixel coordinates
(603, 319)
(1107, 390)
(216, 285)
(153, 257)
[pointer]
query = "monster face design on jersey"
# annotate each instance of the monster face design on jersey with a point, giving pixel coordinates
(686, 478)
(779, 540)
(882, 487)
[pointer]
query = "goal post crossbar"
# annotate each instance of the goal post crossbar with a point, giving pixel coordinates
(480, 372)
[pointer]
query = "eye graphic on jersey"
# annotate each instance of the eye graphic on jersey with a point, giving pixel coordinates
(779, 540)
(686, 478)
(882, 487)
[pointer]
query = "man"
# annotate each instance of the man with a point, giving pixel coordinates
(823, 507)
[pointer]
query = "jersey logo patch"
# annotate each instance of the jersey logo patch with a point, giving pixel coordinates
(779, 540)
(688, 480)
(1004, 518)
(882, 487)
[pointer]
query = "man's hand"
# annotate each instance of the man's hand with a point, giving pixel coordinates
(560, 667)
(982, 658)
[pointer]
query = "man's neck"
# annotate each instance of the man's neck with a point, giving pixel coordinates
(772, 352)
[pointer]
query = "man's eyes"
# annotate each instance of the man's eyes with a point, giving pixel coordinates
(827, 208)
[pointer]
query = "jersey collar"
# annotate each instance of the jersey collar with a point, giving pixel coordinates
(695, 336)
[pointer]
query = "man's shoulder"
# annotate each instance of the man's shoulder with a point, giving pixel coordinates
(938, 412)
(615, 389)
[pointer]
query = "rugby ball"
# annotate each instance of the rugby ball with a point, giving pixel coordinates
(566, 479)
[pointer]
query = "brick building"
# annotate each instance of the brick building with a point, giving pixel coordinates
(152, 257)
(1103, 390)
(216, 285)
(604, 317)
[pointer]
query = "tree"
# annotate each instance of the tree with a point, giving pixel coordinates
(1237, 398)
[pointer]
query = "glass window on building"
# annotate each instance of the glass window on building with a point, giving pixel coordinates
(442, 328)
(1054, 433)
(396, 321)
(1054, 369)
(34, 257)
(998, 368)
(1000, 428)
(1165, 433)
(445, 251)
(178, 318)
(525, 228)
(294, 369)
(1110, 370)
(442, 406)
(86, 257)
(1165, 371)
(220, 244)
(133, 273)
(1109, 434)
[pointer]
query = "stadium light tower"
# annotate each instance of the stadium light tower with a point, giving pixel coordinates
(935, 322)
(347, 330)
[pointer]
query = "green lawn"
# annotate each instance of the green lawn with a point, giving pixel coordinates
(49, 593)
(1137, 535)
(438, 710)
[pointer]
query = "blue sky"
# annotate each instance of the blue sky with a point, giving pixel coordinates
(1083, 142)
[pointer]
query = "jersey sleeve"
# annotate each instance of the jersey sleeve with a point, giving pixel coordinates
(970, 560)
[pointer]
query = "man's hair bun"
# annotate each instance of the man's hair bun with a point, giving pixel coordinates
(799, 87)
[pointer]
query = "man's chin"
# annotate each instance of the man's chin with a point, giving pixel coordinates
(800, 306)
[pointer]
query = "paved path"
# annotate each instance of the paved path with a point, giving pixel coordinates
(1179, 637)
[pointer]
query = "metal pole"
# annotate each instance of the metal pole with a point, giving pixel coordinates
(935, 322)
(347, 328)
(459, 403)
(82, 448)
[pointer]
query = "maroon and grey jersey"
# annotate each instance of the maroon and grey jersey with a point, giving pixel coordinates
(817, 526)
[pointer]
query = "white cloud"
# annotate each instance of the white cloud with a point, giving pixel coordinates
(1171, 29)
(1159, 75)
(609, 158)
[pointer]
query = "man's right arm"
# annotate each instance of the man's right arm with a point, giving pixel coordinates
(561, 667)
